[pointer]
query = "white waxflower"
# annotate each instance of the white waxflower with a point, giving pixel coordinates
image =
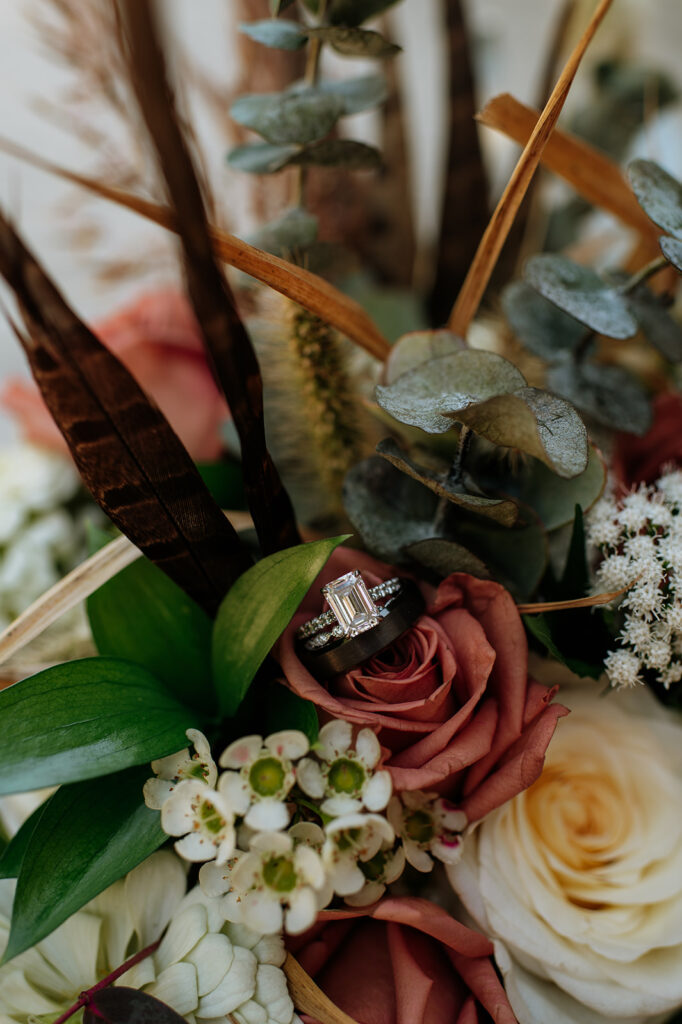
(263, 776)
(429, 827)
(203, 817)
(306, 833)
(183, 765)
(352, 840)
(385, 867)
(343, 773)
(275, 884)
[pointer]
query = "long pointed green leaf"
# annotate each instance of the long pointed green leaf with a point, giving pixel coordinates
(84, 719)
(255, 612)
(90, 834)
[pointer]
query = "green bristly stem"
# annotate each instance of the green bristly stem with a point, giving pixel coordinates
(85, 997)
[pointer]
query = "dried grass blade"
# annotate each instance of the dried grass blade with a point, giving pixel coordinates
(128, 455)
(577, 602)
(591, 174)
(307, 289)
(309, 998)
(501, 221)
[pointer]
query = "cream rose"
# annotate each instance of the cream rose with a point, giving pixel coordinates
(578, 879)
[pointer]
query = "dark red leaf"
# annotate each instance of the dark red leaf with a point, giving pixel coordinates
(122, 1005)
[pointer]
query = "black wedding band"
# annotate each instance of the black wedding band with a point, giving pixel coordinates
(341, 655)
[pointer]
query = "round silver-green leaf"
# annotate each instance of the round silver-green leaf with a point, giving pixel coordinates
(580, 292)
(659, 195)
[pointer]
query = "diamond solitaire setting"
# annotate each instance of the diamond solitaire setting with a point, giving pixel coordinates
(351, 604)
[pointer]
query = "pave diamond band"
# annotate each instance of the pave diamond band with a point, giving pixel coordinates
(351, 613)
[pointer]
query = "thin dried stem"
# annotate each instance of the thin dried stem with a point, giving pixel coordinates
(502, 219)
(309, 997)
(539, 607)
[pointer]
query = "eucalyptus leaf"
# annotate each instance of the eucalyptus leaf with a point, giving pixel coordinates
(286, 710)
(417, 347)
(388, 509)
(293, 117)
(256, 611)
(13, 857)
(516, 558)
(354, 12)
(354, 42)
(339, 153)
(581, 293)
(277, 6)
(260, 157)
(672, 250)
(542, 327)
(121, 1005)
(609, 394)
(656, 324)
(357, 94)
(659, 195)
(295, 229)
(282, 35)
(504, 512)
(432, 394)
(83, 719)
(142, 616)
(90, 834)
(445, 557)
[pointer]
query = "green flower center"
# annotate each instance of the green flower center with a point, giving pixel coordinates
(279, 874)
(419, 827)
(211, 820)
(198, 771)
(346, 776)
(266, 776)
(348, 839)
(373, 869)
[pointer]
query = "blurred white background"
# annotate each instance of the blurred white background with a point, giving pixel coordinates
(512, 39)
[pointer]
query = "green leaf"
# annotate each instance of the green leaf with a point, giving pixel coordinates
(387, 508)
(540, 628)
(354, 12)
(672, 250)
(541, 326)
(516, 558)
(393, 310)
(83, 719)
(282, 35)
(659, 195)
(358, 94)
(580, 292)
(225, 481)
(446, 556)
(432, 394)
(355, 42)
(286, 710)
(260, 158)
(488, 394)
(295, 229)
(417, 347)
(339, 153)
(140, 615)
(90, 834)
(575, 579)
(297, 116)
(13, 856)
(504, 512)
(656, 324)
(256, 611)
(609, 394)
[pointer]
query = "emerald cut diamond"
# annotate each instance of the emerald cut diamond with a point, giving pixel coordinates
(349, 600)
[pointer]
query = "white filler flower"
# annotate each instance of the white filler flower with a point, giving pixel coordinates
(204, 968)
(343, 775)
(262, 778)
(429, 827)
(579, 878)
(170, 770)
(352, 841)
(203, 817)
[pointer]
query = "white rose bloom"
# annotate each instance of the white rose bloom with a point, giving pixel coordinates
(579, 878)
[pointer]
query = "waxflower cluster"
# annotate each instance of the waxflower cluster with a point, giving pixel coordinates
(287, 827)
(639, 541)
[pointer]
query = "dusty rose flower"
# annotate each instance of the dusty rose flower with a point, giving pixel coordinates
(403, 959)
(158, 339)
(450, 700)
(641, 459)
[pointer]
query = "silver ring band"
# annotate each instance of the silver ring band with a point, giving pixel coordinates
(387, 589)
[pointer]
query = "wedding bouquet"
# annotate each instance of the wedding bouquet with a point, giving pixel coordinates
(392, 736)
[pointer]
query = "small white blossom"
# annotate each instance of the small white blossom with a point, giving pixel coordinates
(429, 827)
(623, 668)
(204, 817)
(263, 776)
(352, 840)
(183, 765)
(385, 867)
(343, 773)
(275, 884)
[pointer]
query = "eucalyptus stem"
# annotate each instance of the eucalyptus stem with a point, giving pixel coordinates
(582, 345)
(647, 271)
(454, 477)
(85, 997)
(310, 75)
